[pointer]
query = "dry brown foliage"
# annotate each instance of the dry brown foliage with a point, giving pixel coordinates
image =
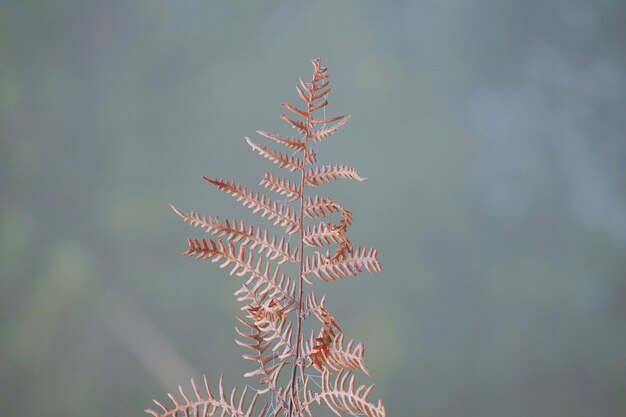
(318, 371)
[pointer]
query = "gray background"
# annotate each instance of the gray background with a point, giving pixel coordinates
(493, 136)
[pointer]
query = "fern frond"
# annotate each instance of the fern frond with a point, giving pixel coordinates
(342, 395)
(317, 87)
(237, 231)
(319, 94)
(256, 342)
(319, 105)
(207, 404)
(316, 349)
(270, 318)
(323, 133)
(348, 266)
(277, 212)
(333, 355)
(322, 175)
(281, 186)
(296, 110)
(274, 296)
(310, 158)
(322, 234)
(312, 306)
(220, 252)
(326, 120)
(320, 207)
(297, 124)
(304, 91)
(242, 265)
(292, 143)
(278, 287)
(326, 351)
(283, 161)
(277, 330)
(274, 305)
(319, 72)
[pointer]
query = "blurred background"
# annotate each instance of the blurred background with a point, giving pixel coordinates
(493, 134)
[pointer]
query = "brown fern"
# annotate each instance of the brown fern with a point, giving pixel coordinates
(274, 305)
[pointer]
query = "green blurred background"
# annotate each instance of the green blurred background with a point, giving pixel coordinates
(493, 134)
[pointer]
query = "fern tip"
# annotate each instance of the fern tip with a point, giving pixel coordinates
(173, 207)
(252, 144)
(210, 180)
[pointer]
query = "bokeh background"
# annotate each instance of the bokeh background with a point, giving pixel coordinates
(493, 134)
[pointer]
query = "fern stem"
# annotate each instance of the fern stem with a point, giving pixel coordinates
(296, 365)
(297, 362)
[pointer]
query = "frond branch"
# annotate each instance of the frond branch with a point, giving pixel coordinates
(207, 404)
(297, 124)
(343, 396)
(242, 265)
(255, 341)
(324, 132)
(270, 209)
(278, 158)
(292, 143)
(348, 266)
(236, 231)
(322, 175)
(282, 186)
(322, 234)
(328, 352)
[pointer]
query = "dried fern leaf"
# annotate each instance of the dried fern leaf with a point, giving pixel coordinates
(237, 231)
(316, 349)
(317, 87)
(311, 157)
(319, 72)
(242, 264)
(333, 355)
(324, 132)
(349, 266)
(283, 161)
(306, 87)
(269, 366)
(274, 304)
(296, 110)
(277, 286)
(267, 302)
(208, 404)
(312, 306)
(277, 212)
(282, 186)
(279, 331)
(319, 105)
(270, 318)
(325, 120)
(319, 207)
(342, 395)
(297, 124)
(321, 234)
(322, 175)
(319, 94)
(304, 91)
(292, 143)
